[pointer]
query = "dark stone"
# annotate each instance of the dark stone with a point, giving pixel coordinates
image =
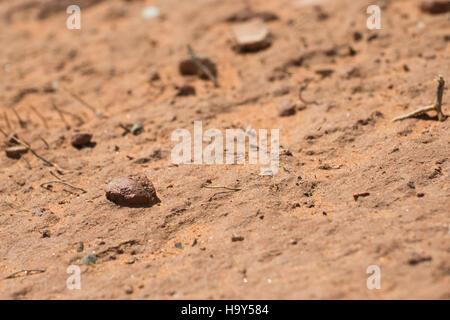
(15, 152)
(131, 191)
(81, 139)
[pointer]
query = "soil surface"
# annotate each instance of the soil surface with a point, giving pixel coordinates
(354, 189)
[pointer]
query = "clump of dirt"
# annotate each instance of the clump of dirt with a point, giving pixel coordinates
(353, 189)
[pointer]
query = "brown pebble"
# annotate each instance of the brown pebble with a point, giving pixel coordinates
(251, 36)
(429, 56)
(81, 139)
(134, 190)
(16, 152)
(46, 233)
(357, 36)
(170, 117)
(237, 238)
(361, 194)
(154, 75)
(435, 7)
(189, 67)
(185, 90)
(131, 260)
(286, 108)
(129, 289)
(80, 247)
(248, 14)
(416, 258)
(324, 73)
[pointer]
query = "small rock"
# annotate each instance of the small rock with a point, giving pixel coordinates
(154, 75)
(16, 152)
(435, 7)
(309, 204)
(420, 194)
(51, 87)
(417, 258)
(324, 72)
(252, 36)
(248, 14)
(137, 128)
(178, 245)
(372, 37)
(357, 36)
(361, 194)
(429, 56)
(155, 153)
(286, 108)
(134, 190)
(89, 259)
(411, 184)
(142, 160)
(129, 289)
(150, 12)
(237, 238)
(46, 233)
(80, 247)
(185, 90)
(170, 117)
(37, 212)
(81, 139)
(286, 152)
(189, 67)
(325, 166)
(131, 260)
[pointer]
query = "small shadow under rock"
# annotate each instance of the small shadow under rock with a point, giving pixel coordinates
(148, 205)
(428, 118)
(89, 145)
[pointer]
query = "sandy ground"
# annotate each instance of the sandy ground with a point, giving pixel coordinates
(297, 234)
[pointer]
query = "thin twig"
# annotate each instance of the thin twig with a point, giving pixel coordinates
(437, 106)
(47, 146)
(40, 116)
(5, 115)
(415, 113)
(22, 124)
(26, 145)
(222, 187)
(3, 132)
(27, 272)
(79, 99)
(61, 115)
(202, 66)
(68, 191)
(62, 182)
(217, 193)
(124, 127)
(77, 117)
(27, 162)
(54, 174)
